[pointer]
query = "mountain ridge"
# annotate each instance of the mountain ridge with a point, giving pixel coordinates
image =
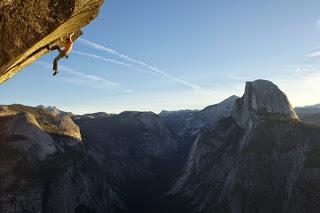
(243, 154)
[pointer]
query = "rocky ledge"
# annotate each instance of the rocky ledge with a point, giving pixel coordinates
(27, 27)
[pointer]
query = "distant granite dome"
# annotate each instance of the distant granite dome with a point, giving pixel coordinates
(262, 97)
(5, 111)
(54, 110)
(52, 123)
(27, 136)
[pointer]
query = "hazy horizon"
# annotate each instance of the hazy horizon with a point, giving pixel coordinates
(173, 55)
(139, 110)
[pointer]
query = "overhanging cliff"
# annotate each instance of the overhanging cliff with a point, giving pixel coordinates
(27, 27)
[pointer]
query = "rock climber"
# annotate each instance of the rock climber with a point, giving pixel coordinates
(68, 43)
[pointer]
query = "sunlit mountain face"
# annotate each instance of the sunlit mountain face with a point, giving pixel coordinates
(244, 154)
(152, 107)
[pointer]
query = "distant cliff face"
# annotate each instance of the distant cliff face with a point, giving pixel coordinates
(309, 114)
(43, 119)
(260, 159)
(28, 26)
(262, 97)
(43, 162)
(249, 154)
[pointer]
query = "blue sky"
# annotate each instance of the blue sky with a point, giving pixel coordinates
(177, 54)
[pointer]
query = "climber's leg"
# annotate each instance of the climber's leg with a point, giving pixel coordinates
(55, 61)
(56, 47)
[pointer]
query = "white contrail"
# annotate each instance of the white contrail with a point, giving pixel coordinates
(140, 63)
(187, 83)
(113, 61)
(102, 58)
(109, 50)
(95, 80)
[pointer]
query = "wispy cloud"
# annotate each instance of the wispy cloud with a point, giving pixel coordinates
(315, 54)
(93, 78)
(318, 23)
(142, 65)
(82, 78)
(306, 69)
(127, 91)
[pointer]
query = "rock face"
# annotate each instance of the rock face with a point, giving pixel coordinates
(52, 123)
(68, 127)
(262, 97)
(4, 111)
(27, 136)
(249, 154)
(137, 153)
(260, 159)
(44, 169)
(188, 123)
(27, 27)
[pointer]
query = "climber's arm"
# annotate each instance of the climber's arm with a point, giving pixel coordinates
(56, 45)
(62, 41)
